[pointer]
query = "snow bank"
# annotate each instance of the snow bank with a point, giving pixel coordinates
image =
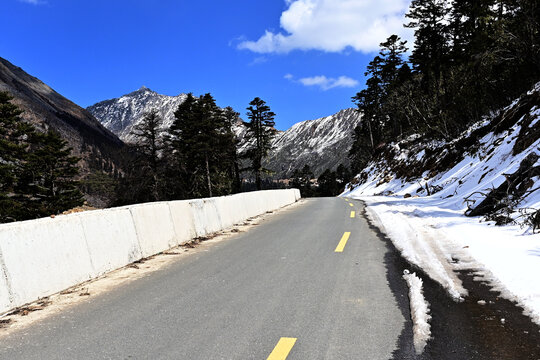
(419, 312)
(442, 241)
(418, 245)
(430, 228)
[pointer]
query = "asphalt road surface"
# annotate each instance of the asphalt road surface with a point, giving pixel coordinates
(307, 283)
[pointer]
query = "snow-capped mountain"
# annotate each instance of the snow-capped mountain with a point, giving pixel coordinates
(322, 144)
(120, 115)
(318, 143)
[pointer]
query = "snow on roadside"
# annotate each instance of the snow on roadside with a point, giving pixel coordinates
(430, 228)
(442, 241)
(417, 245)
(419, 312)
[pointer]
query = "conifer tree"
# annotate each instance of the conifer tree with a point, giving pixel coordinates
(149, 150)
(343, 176)
(47, 185)
(13, 145)
(302, 181)
(260, 131)
(432, 36)
(470, 58)
(384, 73)
(230, 145)
(201, 141)
(328, 185)
(37, 170)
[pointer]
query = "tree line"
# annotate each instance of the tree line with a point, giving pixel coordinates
(198, 155)
(469, 58)
(329, 183)
(37, 170)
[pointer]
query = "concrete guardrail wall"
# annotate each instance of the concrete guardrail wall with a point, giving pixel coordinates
(41, 257)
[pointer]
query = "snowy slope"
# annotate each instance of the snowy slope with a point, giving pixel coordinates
(490, 151)
(318, 143)
(120, 115)
(431, 229)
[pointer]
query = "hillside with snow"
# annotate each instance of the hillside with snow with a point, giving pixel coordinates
(441, 202)
(319, 143)
(120, 115)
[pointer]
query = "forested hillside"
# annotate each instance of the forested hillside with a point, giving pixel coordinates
(469, 59)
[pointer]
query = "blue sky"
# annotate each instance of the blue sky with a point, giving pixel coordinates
(305, 58)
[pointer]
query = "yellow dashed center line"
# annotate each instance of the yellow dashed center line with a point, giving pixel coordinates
(353, 214)
(351, 205)
(343, 242)
(282, 349)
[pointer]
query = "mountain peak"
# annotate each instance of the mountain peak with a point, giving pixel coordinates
(144, 89)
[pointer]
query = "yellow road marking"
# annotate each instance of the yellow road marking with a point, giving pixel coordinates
(282, 349)
(346, 199)
(353, 214)
(343, 242)
(351, 205)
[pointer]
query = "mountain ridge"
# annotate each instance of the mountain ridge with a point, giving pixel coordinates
(99, 149)
(319, 143)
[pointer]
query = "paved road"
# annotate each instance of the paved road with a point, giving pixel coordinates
(278, 291)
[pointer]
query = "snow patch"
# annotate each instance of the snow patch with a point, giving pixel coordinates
(419, 246)
(419, 312)
(429, 227)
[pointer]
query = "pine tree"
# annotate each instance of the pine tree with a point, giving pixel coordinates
(391, 54)
(343, 176)
(201, 141)
(37, 170)
(230, 145)
(369, 103)
(149, 148)
(432, 37)
(260, 131)
(470, 58)
(394, 72)
(302, 181)
(328, 185)
(47, 185)
(384, 73)
(13, 145)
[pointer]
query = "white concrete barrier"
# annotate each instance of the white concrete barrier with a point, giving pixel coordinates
(41, 257)
(111, 238)
(205, 216)
(6, 295)
(44, 256)
(154, 226)
(183, 221)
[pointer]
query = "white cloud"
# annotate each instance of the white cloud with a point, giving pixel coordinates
(334, 25)
(326, 83)
(288, 76)
(259, 60)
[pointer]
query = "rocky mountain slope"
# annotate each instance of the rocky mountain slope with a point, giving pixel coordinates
(99, 149)
(319, 143)
(120, 115)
